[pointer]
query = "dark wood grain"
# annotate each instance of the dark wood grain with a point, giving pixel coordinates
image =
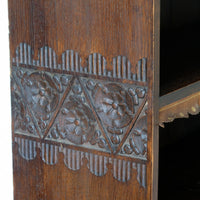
(155, 94)
(112, 29)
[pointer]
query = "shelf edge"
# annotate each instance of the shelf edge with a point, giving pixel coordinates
(180, 103)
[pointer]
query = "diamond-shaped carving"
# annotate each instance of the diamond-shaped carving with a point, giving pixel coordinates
(42, 92)
(23, 123)
(76, 123)
(136, 142)
(89, 112)
(117, 106)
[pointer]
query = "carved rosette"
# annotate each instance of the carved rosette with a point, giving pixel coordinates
(114, 105)
(41, 93)
(76, 122)
(83, 112)
(117, 105)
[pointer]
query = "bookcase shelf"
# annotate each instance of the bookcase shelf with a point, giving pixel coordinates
(179, 98)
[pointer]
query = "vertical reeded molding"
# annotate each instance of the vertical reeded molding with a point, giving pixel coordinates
(155, 99)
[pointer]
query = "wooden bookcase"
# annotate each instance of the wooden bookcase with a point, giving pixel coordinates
(85, 83)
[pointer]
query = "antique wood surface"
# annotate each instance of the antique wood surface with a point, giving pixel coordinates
(84, 81)
(180, 103)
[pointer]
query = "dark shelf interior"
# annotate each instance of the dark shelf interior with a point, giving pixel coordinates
(180, 44)
(179, 161)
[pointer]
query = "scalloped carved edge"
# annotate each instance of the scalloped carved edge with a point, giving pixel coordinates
(180, 109)
(73, 160)
(71, 62)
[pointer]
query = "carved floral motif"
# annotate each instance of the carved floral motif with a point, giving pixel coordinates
(22, 120)
(86, 112)
(136, 143)
(42, 93)
(76, 121)
(116, 106)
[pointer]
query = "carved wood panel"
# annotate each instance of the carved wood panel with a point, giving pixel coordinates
(84, 98)
(65, 108)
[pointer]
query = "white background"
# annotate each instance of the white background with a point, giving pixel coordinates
(6, 183)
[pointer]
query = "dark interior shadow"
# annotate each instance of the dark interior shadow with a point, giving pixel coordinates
(179, 44)
(179, 160)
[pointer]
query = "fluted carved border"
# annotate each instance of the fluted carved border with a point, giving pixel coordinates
(71, 62)
(97, 68)
(73, 160)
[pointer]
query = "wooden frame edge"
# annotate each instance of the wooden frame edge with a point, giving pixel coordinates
(155, 114)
